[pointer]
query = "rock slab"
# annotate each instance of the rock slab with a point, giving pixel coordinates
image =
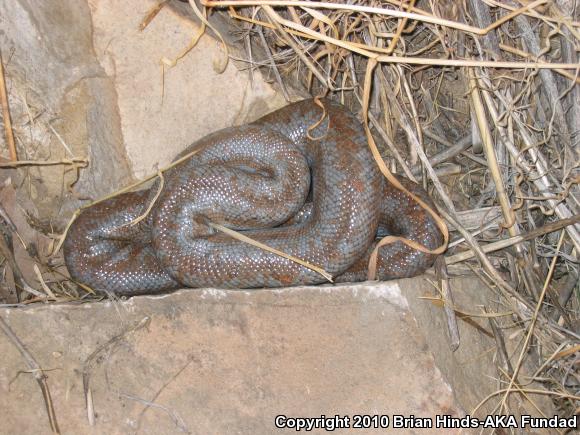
(213, 362)
(168, 99)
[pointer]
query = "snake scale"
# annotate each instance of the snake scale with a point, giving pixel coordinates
(307, 187)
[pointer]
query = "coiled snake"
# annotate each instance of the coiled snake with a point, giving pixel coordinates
(316, 195)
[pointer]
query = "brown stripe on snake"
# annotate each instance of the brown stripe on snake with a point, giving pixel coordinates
(256, 179)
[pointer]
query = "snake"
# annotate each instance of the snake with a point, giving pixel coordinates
(300, 180)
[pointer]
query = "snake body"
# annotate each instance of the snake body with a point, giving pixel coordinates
(314, 194)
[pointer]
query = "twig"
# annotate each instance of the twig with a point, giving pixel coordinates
(400, 27)
(274, 17)
(45, 287)
(405, 123)
(453, 150)
(532, 323)
(93, 359)
(527, 55)
(371, 274)
(528, 391)
(447, 295)
(248, 240)
(542, 182)
(273, 65)
(151, 14)
(502, 244)
(36, 371)
(378, 127)
(151, 403)
(278, 20)
(486, 139)
(177, 420)
(478, 251)
(61, 140)
(6, 114)
(509, 7)
(67, 162)
(500, 344)
(6, 251)
(373, 10)
(151, 203)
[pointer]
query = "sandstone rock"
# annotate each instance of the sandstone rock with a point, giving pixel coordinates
(212, 361)
(162, 113)
(56, 83)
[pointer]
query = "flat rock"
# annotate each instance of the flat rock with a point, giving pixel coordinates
(213, 361)
(164, 111)
(62, 105)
